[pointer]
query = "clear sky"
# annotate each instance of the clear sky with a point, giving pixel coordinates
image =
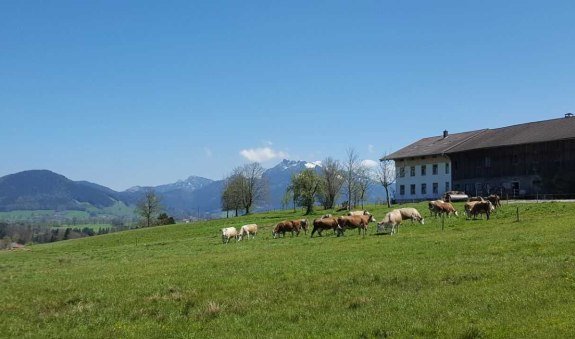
(127, 93)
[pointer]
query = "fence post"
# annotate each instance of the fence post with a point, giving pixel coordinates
(517, 214)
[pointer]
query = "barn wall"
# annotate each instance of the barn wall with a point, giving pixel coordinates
(544, 168)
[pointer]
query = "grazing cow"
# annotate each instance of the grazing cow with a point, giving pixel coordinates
(391, 220)
(495, 200)
(433, 209)
(292, 226)
(364, 212)
(476, 199)
(411, 213)
(300, 224)
(361, 222)
(468, 206)
(321, 224)
(482, 207)
(247, 230)
(228, 233)
(282, 227)
(439, 207)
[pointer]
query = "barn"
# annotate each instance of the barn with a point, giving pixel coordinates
(525, 160)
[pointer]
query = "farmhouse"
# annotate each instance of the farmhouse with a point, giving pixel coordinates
(521, 161)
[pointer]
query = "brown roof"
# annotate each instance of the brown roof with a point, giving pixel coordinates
(433, 145)
(531, 132)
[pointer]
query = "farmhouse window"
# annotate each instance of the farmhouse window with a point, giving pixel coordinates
(434, 169)
(401, 189)
(487, 162)
(446, 186)
(446, 168)
(435, 188)
(412, 171)
(412, 189)
(402, 172)
(423, 169)
(423, 188)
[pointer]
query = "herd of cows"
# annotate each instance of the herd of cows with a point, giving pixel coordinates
(360, 220)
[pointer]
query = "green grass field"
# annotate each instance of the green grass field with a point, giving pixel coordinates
(496, 278)
(119, 209)
(13, 216)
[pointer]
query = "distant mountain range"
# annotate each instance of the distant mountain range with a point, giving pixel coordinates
(194, 196)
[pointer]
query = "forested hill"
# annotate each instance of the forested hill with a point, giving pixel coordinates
(46, 190)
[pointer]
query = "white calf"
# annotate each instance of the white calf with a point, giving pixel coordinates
(247, 230)
(390, 222)
(228, 233)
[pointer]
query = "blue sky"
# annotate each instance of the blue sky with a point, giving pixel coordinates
(127, 93)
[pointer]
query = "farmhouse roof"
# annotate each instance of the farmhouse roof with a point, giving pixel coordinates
(432, 145)
(527, 133)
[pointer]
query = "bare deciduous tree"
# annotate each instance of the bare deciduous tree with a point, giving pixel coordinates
(386, 175)
(244, 188)
(231, 196)
(254, 186)
(349, 170)
(149, 206)
(363, 182)
(331, 181)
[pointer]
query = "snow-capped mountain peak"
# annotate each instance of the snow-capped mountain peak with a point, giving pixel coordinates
(313, 164)
(286, 164)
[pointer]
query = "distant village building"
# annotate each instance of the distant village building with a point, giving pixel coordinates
(521, 160)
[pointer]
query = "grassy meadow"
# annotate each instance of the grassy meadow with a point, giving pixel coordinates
(15, 216)
(496, 278)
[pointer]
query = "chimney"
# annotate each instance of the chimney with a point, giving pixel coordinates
(568, 115)
(445, 134)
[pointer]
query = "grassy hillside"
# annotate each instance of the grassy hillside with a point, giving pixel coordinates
(496, 278)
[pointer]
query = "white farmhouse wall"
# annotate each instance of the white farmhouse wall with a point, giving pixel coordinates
(441, 178)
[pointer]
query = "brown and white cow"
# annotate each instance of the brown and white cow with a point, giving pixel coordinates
(286, 226)
(300, 224)
(361, 222)
(439, 207)
(322, 224)
(468, 206)
(482, 207)
(495, 200)
(433, 210)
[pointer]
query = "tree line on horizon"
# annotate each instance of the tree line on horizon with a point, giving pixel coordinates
(246, 186)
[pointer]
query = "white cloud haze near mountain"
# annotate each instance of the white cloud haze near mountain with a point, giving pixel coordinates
(262, 154)
(369, 163)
